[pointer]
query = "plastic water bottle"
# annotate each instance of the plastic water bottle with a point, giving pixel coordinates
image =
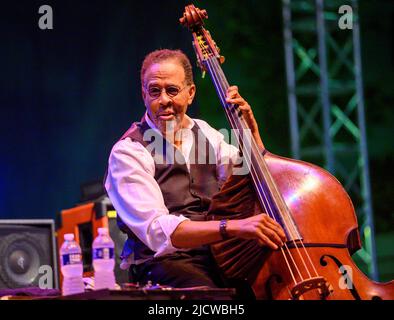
(103, 260)
(71, 266)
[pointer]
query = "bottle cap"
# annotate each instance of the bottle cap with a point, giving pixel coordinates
(102, 231)
(69, 236)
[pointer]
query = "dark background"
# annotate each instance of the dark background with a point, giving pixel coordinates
(69, 93)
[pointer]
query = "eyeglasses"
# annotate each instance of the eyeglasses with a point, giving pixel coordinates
(171, 91)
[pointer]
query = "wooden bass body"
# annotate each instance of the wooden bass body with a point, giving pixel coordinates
(326, 220)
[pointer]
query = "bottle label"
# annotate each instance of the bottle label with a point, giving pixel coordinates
(103, 253)
(71, 258)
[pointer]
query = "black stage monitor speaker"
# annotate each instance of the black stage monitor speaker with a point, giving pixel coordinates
(28, 254)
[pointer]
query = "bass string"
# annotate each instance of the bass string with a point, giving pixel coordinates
(268, 208)
(221, 85)
(269, 180)
(232, 122)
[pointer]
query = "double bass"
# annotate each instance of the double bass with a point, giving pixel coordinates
(309, 203)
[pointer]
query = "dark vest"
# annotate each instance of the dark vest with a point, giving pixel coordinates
(184, 192)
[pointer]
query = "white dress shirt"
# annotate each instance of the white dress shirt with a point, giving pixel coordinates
(135, 194)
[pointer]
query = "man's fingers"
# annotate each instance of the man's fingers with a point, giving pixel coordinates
(277, 227)
(265, 241)
(272, 235)
(232, 92)
(273, 224)
(239, 101)
(232, 88)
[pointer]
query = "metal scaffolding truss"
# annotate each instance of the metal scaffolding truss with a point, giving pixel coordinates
(326, 104)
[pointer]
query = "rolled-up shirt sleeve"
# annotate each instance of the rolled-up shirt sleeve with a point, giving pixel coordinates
(137, 197)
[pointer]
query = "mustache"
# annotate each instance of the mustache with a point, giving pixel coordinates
(165, 113)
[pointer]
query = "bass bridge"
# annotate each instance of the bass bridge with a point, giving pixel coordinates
(317, 284)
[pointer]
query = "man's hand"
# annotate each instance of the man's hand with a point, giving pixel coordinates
(233, 97)
(192, 234)
(260, 227)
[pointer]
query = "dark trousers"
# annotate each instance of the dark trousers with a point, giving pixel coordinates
(180, 270)
(187, 269)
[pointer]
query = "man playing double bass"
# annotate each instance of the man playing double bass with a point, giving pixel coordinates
(162, 205)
